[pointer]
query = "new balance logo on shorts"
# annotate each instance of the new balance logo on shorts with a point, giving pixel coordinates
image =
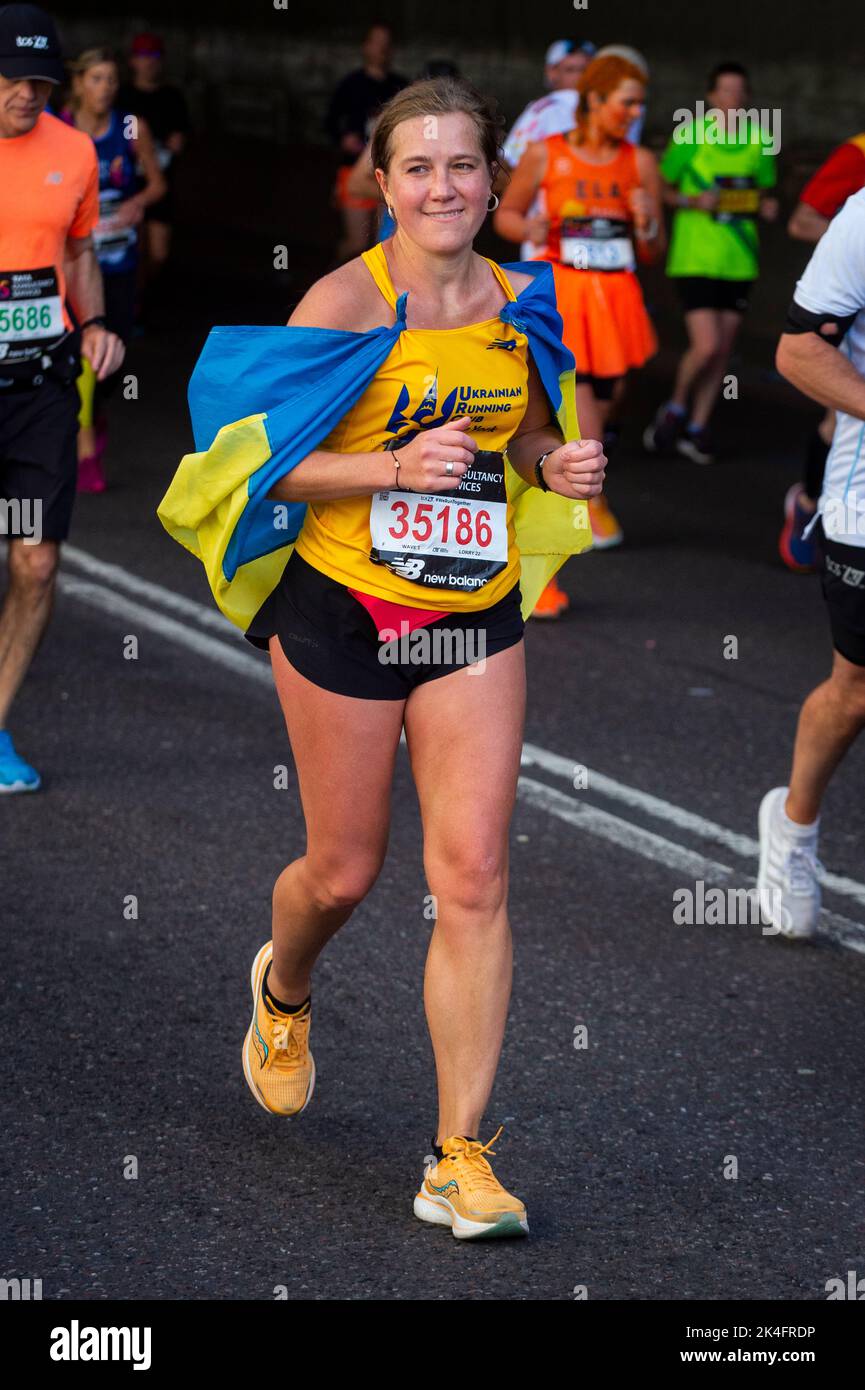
(846, 573)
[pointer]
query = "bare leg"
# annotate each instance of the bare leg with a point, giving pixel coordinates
(708, 385)
(25, 613)
(466, 764)
(704, 333)
(830, 720)
(344, 750)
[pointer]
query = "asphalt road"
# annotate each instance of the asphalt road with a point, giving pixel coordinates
(122, 1034)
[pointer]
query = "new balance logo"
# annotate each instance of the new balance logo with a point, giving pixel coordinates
(507, 343)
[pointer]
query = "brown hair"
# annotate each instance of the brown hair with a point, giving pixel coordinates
(603, 76)
(439, 96)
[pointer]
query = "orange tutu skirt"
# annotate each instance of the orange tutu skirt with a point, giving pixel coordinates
(605, 321)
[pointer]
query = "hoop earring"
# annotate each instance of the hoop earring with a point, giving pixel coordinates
(495, 203)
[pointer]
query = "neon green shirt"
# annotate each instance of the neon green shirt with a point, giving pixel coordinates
(723, 244)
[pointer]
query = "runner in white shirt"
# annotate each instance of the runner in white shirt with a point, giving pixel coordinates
(553, 114)
(822, 352)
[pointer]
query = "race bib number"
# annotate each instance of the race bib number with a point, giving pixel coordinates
(31, 313)
(111, 242)
(596, 243)
(445, 540)
(737, 197)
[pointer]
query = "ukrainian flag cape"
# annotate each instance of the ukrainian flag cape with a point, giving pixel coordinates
(263, 398)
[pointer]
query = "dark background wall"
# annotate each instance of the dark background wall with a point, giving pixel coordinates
(259, 171)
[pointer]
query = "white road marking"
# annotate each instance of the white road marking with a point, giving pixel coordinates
(533, 756)
(576, 812)
(118, 606)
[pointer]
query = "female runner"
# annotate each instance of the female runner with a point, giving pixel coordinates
(457, 389)
(602, 197)
(129, 181)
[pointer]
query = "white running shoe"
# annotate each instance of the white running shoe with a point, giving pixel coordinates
(787, 885)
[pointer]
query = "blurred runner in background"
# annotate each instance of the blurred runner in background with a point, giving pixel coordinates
(164, 109)
(124, 147)
(603, 195)
(553, 114)
(842, 175)
(357, 99)
(49, 206)
(717, 171)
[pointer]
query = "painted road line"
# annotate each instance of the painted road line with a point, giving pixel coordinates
(666, 852)
(115, 577)
(591, 819)
(533, 756)
(118, 606)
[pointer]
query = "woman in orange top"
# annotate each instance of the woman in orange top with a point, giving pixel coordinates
(602, 200)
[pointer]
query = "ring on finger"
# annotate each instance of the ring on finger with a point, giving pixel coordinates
(449, 467)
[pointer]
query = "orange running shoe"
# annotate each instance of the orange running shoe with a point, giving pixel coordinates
(552, 603)
(606, 531)
(277, 1062)
(462, 1191)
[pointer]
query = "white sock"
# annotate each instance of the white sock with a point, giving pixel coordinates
(797, 831)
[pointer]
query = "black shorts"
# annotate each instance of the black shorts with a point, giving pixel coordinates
(702, 292)
(603, 387)
(843, 579)
(330, 638)
(39, 459)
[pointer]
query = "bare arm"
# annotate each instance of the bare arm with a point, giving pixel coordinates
(807, 224)
(647, 208)
(103, 350)
(362, 182)
(155, 186)
(83, 278)
(510, 220)
(342, 300)
(574, 469)
(822, 372)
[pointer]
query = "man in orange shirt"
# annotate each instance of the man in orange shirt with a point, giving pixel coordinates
(49, 205)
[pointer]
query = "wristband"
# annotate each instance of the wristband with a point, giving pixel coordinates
(539, 471)
(97, 319)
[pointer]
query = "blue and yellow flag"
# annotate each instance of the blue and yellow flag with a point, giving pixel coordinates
(263, 398)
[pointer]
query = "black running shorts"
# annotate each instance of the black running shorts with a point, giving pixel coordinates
(703, 292)
(843, 579)
(330, 638)
(38, 459)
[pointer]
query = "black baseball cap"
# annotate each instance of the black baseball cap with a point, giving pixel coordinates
(29, 46)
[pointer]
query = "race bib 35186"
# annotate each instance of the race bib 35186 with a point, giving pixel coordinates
(445, 540)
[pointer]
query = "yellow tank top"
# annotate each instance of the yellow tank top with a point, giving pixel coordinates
(429, 377)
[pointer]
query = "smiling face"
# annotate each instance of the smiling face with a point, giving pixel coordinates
(438, 182)
(22, 102)
(97, 87)
(621, 107)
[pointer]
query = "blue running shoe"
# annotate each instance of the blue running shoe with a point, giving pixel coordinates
(15, 774)
(800, 555)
